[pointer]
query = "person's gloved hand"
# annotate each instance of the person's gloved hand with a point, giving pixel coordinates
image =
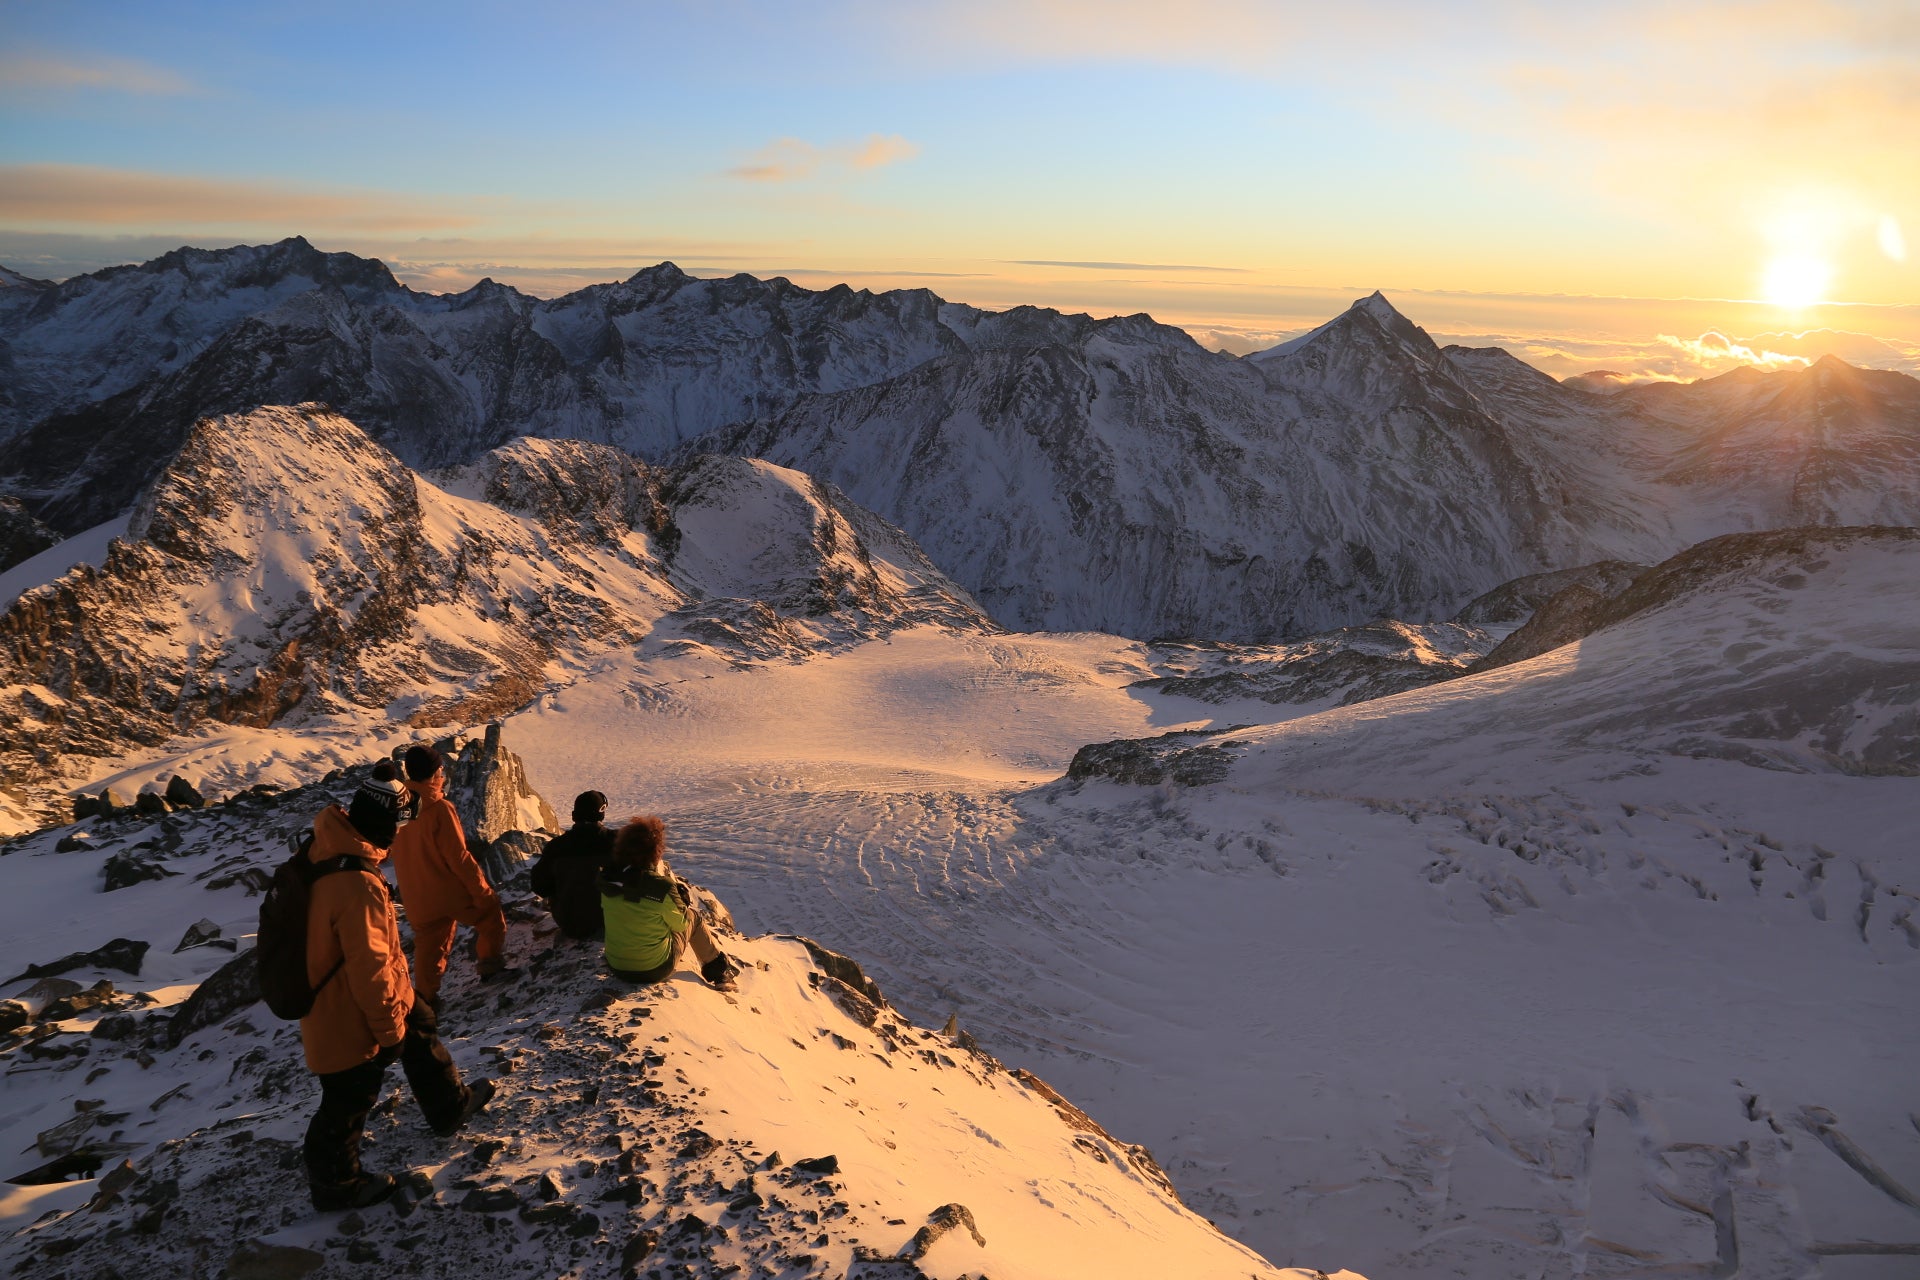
(388, 1055)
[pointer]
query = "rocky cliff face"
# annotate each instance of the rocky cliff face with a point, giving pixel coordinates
(285, 569)
(1069, 472)
(21, 536)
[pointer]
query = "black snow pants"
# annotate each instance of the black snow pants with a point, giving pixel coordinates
(333, 1137)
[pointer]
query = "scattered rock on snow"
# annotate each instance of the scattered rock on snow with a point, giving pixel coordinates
(78, 1002)
(130, 868)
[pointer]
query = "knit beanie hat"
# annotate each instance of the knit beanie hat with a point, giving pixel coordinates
(589, 806)
(375, 810)
(422, 762)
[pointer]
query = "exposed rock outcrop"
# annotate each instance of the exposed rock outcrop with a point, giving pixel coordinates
(21, 536)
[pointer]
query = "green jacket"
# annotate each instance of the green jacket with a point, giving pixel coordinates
(643, 912)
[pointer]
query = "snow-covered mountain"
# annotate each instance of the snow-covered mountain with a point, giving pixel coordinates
(1070, 473)
(283, 569)
(1597, 963)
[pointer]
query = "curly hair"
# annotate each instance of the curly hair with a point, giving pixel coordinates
(641, 842)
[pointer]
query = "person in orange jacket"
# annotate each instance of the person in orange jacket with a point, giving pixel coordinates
(364, 1015)
(441, 884)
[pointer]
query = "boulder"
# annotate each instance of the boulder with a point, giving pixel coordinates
(86, 806)
(939, 1223)
(204, 933)
(111, 802)
(230, 988)
(45, 992)
(13, 1016)
(124, 869)
(182, 794)
(150, 804)
(74, 842)
(115, 1026)
(123, 954)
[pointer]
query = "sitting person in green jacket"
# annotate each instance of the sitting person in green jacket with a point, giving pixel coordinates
(649, 913)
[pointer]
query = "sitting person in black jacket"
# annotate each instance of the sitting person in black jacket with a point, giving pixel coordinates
(569, 866)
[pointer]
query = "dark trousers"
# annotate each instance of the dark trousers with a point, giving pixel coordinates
(333, 1136)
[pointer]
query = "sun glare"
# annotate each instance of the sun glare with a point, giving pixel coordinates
(1794, 281)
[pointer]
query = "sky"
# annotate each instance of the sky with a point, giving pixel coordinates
(1667, 189)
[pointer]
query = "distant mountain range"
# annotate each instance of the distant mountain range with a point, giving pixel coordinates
(1069, 473)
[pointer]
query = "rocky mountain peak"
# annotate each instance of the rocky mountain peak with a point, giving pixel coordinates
(240, 479)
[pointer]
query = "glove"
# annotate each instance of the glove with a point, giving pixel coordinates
(388, 1055)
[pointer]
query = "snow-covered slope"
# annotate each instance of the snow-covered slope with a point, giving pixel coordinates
(794, 1128)
(285, 570)
(1600, 962)
(1070, 472)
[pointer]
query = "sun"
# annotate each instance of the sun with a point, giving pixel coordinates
(1797, 280)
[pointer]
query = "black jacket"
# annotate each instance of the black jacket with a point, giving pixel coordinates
(565, 876)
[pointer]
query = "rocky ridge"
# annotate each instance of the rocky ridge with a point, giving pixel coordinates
(284, 569)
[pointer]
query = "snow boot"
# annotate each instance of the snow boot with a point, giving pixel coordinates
(497, 971)
(720, 972)
(479, 1094)
(358, 1193)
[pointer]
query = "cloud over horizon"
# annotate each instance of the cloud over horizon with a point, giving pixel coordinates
(796, 159)
(26, 72)
(47, 195)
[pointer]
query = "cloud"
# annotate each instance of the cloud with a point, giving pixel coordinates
(40, 73)
(881, 150)
(1118, 266)
(1713, 350)
(796, 159)
(1668, 357)
(49, 195)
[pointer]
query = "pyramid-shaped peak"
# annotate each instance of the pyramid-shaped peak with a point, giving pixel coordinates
(664, 271)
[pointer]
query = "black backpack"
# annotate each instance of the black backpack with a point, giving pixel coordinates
(281, 944)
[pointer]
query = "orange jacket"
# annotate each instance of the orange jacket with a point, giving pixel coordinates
(439, 879)
(365, 1004)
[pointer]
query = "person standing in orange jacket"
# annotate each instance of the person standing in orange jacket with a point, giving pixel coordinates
(364, 1015)
(441, 885)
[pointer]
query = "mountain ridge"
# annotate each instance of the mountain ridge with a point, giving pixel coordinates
(1071, 473)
